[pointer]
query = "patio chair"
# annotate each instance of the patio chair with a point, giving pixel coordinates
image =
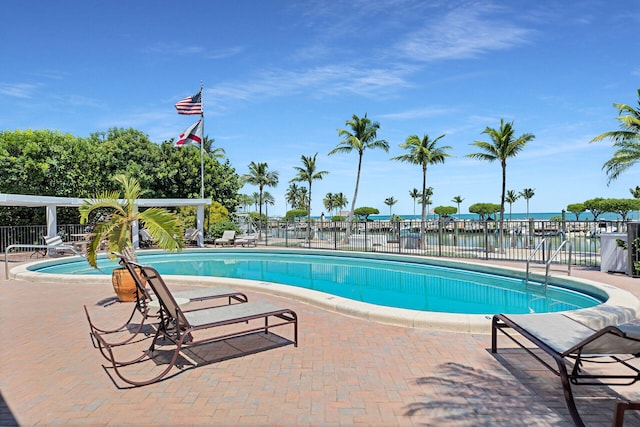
(144, 303)
(248, 240)
(182, 329)
(56, 246)
(571, 344)
(227, 238)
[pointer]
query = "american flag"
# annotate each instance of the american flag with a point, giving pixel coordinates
(193, 135)
(190, 105)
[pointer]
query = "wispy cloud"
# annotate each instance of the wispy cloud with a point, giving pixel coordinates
(419, 113)
(176, 49)
(464, 32)
(19, 90)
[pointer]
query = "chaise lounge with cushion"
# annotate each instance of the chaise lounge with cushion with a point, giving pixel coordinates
(572, 343)
(227, 238)
(179, 329)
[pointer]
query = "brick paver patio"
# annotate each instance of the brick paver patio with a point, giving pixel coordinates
(346, 371)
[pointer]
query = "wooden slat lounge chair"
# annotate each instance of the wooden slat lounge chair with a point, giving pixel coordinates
(144, 302)
(227, 238)
(184, 329)
(571, 344)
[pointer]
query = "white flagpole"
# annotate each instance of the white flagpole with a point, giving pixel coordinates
(202, 145)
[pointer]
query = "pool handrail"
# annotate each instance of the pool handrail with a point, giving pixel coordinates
(35, 246)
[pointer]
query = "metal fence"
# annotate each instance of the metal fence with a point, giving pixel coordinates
(454, 239)
(33, 234)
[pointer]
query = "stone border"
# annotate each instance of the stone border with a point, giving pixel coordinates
(620, 306)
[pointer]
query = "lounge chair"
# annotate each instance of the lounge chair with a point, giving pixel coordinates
(144, 304)
(571, 344)
(227, 238)
(55, 246)
(248, 240)
(180, 328)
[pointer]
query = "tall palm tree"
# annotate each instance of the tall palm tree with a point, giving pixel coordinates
(329, 202)
(303, 198)
(527, 194)
(340, 200)
(255, 196)
(503, 145)
(260, 176)
(457, 200)
(308, 173)
(361, 135)
(165, 228)
(267, 199)
(390, 201)
(414, 194)
(292, 194)
(214, 153)
(626, 141)
(423, 152)
(426, 199)
(511, 198)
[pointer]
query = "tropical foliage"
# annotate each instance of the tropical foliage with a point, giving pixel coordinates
(115, 213)
(49, 163)
(626, 141)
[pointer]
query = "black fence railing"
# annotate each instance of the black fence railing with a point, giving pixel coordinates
(455, 239)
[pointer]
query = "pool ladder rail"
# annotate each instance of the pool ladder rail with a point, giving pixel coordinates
(540, 246)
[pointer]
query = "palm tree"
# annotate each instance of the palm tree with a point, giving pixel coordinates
(214, 153)
(457, 200)
(307, 172)
(511, 198)
(426, 199)
(340, 200)
(414, 194)
(527, 194)
(390, 201)
(635, 192)
(292, 194)
(260, 176)
(361, 135)
(303, 198)
(165, 228)
(626, 141)
(423, 152)
(267, 199)
(329, 202)
(256, 199)
(503, 146)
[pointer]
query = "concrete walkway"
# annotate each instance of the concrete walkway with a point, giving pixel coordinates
(346, 371)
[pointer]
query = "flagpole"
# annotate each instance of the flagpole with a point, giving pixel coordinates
(202, 145)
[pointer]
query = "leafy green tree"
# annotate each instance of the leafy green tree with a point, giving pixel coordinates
(260, 176)
(293, 214)
(626, 141)
(595, 206)
(576, 209)
(621, 207)
(503, 146)
(361, 135)
(363, 212)
(458, 200)
(528, 194)
(445, 210)
(423, 152)
(390, 201)
(484, 209)
(511, 198)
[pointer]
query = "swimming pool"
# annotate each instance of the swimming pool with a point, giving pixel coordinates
(388, 281)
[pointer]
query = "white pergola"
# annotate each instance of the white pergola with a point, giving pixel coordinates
(52, 203)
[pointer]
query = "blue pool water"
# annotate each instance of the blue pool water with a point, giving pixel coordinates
(403, 284)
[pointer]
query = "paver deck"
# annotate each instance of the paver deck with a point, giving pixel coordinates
(346, 371)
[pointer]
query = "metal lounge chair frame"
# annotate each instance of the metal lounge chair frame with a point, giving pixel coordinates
(571, 344)
(144, 298)
(179, 327)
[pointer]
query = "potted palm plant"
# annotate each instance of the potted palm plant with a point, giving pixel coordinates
(115, 228)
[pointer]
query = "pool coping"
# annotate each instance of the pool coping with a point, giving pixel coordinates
(620, 306)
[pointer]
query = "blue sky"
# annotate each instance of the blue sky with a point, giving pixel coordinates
(281, 77)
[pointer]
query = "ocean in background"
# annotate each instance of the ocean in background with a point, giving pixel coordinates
(540, 216)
